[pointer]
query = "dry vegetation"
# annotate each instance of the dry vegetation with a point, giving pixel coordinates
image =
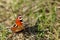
(42, 17)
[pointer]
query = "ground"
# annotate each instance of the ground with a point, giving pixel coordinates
(41, 17)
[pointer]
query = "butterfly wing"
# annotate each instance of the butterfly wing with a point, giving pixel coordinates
(18, 22)
(17, 29)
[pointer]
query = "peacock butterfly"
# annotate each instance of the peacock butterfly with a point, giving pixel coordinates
(18, 26)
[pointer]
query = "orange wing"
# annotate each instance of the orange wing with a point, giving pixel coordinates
(17, 29)
(18, 22)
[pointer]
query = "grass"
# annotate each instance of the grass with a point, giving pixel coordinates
(3, 32)
(46, 22)
(33, 11)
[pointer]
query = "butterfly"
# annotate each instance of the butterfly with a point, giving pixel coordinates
(18, 26)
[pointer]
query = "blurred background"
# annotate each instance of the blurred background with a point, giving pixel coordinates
(42, 17)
